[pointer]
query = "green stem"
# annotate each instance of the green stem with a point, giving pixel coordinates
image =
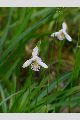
(30, 72)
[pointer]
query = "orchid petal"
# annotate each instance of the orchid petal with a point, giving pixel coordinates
(42, 64)
(27, 63)
(35, 51)
(64, 26)
(67, 36)
(55, 34)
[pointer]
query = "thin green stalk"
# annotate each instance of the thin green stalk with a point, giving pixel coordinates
(60, 43)
(29, 82)
(60, 60)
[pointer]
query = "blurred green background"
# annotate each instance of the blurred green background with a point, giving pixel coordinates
(56, 89)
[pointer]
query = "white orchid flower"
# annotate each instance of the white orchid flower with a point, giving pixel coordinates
(35, 61)
(62, 34)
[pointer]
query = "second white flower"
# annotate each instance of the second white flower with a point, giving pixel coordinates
(62, 34)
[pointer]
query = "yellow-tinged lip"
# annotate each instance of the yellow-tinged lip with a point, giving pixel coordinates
(35, 66)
